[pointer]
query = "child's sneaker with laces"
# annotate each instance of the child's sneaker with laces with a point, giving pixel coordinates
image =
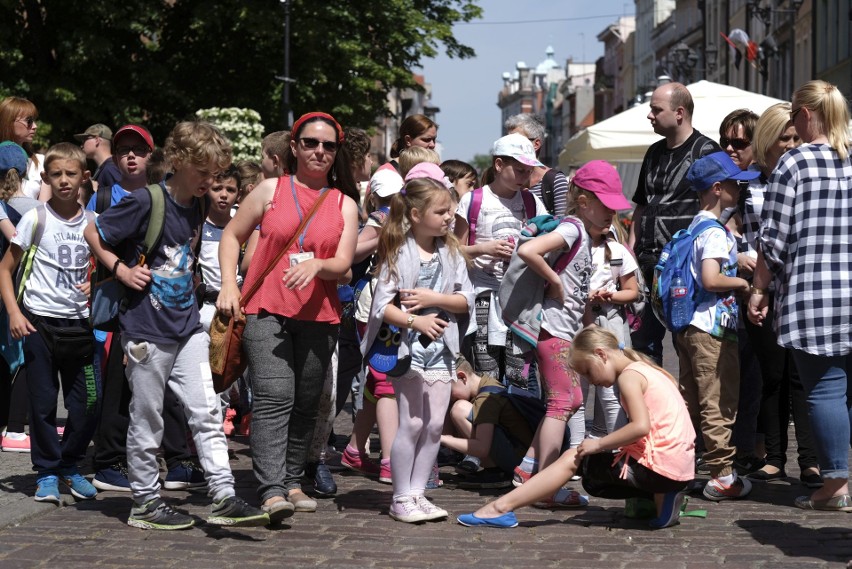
(385, 475)
(406, 510)
(430, 509)
(47, 489)
(184, 476)
(15, 442)
(233, 511)
(158, 515)
(359, 462)
(716, 491)
(80, 487)
(113, 477)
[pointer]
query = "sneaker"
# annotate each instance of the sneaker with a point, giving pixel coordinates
(324, 484)
(80, 487)
(15, 442)
(573, 500)
(301, 502)
(716, 491)
(430, 509)
(485, 479)
(406, 510)
(745, 465)
(112, 478)
(244, 429)
(672, 503)
(233, 511)
(359, 462)
(701, 466)
(385, 476)
(156, 514)
(184, 476)
(47, 489)
(521, 476)
(228, 423)
(468, 465)
(434, 478)
(448, 457)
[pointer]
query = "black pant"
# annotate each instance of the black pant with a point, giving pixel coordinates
(781, 384)
(602, 479)
(111, 437)
(14, 400)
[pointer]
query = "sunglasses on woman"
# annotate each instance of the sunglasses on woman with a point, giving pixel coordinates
(735, 143)
(311, 143)
(29, 121)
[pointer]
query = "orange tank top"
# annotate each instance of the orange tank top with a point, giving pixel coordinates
(317, 302)
(669, 447)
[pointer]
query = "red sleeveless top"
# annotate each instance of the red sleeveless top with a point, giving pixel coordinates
(317, 302)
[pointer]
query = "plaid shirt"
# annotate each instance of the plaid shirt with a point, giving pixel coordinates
(806, 238)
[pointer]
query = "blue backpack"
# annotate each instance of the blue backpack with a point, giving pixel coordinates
(673, 269)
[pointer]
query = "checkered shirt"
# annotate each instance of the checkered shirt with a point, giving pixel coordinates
(806, 238)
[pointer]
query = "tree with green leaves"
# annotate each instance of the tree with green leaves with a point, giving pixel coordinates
(157, 61)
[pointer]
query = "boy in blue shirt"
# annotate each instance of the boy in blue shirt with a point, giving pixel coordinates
(161, 333)
(707, 348)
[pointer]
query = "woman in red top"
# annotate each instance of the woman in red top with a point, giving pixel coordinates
(292, 321)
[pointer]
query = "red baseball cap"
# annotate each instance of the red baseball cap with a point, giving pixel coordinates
(140, 130)
(602, 179)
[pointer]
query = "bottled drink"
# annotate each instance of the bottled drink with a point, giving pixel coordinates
(681, 313)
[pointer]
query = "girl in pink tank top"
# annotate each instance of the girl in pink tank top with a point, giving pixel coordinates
(651, 457)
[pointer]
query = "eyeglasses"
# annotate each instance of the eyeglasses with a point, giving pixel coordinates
(137, 150)
(794, 112)
(29, 121)
(735, 143)
(311, 143)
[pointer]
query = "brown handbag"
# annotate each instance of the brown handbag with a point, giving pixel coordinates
(227, 358)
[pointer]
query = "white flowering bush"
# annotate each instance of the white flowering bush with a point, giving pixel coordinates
(242, 127)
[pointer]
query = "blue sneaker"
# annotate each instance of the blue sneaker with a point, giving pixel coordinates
(47, 489)
(80, 487)
(672, 503)
(505, 521)
(113, 478)
(184, 476)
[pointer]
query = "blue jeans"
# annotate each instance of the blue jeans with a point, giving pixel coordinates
(826, 382)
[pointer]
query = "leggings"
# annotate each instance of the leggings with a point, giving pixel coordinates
(602, 478)
(563, 395)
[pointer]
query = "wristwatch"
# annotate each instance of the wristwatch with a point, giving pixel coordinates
(410, 320)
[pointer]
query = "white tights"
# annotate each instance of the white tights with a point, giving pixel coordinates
(422, 408)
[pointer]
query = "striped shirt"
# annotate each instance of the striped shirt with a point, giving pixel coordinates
(806, 238)
(560, 193)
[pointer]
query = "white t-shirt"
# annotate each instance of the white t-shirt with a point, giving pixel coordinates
(718, 314)
(31, 184)
(564, 320)
(499, 218)
(61, 262)
(605, 274)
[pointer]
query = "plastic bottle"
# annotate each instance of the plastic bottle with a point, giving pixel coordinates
(681, 314)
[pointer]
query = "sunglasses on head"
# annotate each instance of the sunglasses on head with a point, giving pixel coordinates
(311, 143)
(735, 143)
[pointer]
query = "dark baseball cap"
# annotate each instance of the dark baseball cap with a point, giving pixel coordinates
(98, 129)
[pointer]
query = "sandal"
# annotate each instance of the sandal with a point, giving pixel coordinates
(842, 503)
(811, 479)
(764, 476)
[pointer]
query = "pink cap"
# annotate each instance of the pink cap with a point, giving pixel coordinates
(426, 170)
(602, 179)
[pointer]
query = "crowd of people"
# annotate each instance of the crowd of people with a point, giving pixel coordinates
(470, 317)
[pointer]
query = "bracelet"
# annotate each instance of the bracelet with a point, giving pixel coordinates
(755, 290)
(115, 266)
(410, 320)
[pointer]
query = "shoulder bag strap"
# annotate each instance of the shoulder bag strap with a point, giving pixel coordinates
(566, 258)
(271, 265)
(473, 214)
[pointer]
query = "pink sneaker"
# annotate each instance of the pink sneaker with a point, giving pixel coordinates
(228, 423)
(385, 472)
(8, 444)
(359, 462)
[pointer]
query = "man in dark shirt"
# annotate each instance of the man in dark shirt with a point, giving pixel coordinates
(665, 202)
(96, 142)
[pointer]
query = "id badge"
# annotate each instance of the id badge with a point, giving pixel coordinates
(296, 258)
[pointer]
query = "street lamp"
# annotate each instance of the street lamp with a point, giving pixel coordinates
(286, 110)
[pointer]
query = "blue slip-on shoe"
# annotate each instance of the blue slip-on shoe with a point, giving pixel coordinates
(80, 487)
(47, 489)
(672, 503)
(505, 521)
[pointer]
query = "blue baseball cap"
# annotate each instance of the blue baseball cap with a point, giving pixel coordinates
(12, 157)
(716, 167)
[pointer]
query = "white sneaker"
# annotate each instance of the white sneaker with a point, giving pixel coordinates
(406, 510)
(430, 509)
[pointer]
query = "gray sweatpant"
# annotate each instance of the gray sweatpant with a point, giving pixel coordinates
(185, 366)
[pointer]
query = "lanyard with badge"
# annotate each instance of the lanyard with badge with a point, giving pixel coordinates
(302, 255)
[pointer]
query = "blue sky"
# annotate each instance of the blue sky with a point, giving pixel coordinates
(466, 90)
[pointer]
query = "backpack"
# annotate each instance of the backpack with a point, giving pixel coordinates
(674, 264)
(521, 292)
(108, 294)
(547, 181)
(633, 310)
(476, 206)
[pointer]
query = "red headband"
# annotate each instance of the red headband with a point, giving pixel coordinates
(308, 116)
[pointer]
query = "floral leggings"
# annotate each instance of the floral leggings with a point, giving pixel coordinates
(562, 392)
